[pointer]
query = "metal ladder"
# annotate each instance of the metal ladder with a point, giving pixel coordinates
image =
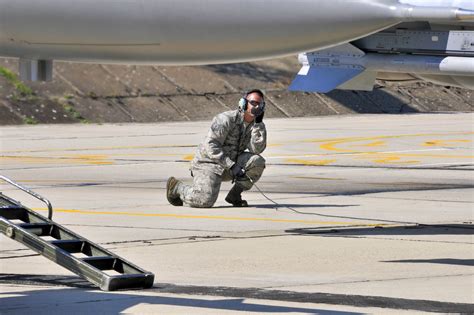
(66, 248)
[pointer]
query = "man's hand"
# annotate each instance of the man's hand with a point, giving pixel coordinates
(237, 171)
(259, 118)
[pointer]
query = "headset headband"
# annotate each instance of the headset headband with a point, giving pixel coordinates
(243, 101)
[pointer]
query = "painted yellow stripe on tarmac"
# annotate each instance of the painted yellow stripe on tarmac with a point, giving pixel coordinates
(330, 144)
(80, 159)
(128, 147)
(445, 143)
(372, 144)
(165, 146)
(207, 217)
(318, 178)
(188, 157)
(389, 136)
(382, 154)
(307, 162)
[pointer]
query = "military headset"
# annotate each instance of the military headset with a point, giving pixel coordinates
(243, 102)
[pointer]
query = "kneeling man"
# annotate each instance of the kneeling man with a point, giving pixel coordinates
(230, 151)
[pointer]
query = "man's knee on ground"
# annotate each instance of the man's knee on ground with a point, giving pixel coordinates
(203, 200)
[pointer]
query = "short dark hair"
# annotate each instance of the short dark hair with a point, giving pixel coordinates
(258, 91)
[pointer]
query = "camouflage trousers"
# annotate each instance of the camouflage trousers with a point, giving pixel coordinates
(204, 191)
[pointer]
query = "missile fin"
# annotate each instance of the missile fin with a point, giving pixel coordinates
(363, 82)
(322, 79)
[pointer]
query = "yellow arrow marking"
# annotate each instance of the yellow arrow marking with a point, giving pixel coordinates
(330, 145)
(373, 144)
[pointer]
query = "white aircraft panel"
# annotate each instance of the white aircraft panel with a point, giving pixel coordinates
(464, 4)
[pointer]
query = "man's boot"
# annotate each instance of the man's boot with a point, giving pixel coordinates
(234, 197)
(172, 192)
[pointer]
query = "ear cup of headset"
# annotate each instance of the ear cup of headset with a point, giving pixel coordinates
(243, 104)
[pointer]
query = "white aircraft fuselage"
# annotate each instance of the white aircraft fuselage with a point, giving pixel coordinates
(196, 32)
(185, 31)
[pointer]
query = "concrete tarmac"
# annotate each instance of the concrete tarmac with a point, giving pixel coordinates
(374, 215)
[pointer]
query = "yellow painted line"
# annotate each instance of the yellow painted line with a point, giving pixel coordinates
(92, 159)
(27, 159)
(80, 159)
(310, 162)
(62, 181)
(330, 144)
(444, 143)
(288, 156)
(317, 178)
(143, 154)
(207, 217)
(375, 154)
(372, 144)
(393, 160)
(269, 145)
(389, 137)
(164, 146)
(188, 157)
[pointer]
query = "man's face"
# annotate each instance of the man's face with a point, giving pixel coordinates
(254, 100)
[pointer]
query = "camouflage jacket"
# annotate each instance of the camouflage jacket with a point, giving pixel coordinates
(226, 139)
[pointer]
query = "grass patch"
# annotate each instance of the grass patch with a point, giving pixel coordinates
(12, 78)
(69, 108)
(30, 120)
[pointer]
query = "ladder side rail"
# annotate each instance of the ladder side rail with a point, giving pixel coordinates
(66, 234)
(32, 193)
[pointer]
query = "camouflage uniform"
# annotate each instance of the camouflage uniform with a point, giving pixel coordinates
(223, 146)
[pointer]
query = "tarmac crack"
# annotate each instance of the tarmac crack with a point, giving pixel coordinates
(371, 280)
(186, 240)
(19, 256)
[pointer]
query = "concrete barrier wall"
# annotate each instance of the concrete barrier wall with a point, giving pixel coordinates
(110, 93)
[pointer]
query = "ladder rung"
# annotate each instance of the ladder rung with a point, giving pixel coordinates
(100, 262)
(14, 213)
(40, 229)
(10, 207)
(36, 224)
(138, 280)
(71, 246)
